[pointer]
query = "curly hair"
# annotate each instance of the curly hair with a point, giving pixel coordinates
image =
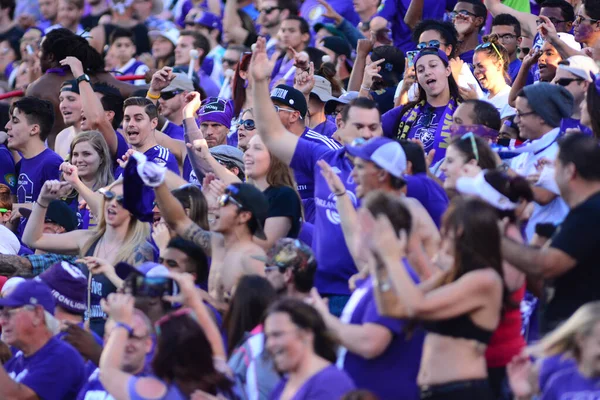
(61, 43)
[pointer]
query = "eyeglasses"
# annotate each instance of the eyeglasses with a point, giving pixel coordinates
(471, 137)
(248, 124)
(227, 198)
(268, 10)
(507, 36)
(524, 50)
(567, 81)
(462, 13)
(552, 19)
(108, 196)
(9, 314)
(229, 61)
(277, 108)
(580, 18)
(521, 115)
(169, 95)
(486, 45)
(431, 44)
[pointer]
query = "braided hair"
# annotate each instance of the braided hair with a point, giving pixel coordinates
(62, 43)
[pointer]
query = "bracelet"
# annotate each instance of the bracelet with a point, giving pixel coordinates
(368, 89)
(128, 328)
(40, 204)
(152, 96)
(339, 194)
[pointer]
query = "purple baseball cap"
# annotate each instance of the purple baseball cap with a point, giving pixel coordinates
(30, 293)
(216, 110)
(210, 21)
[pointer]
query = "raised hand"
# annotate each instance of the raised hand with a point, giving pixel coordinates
(125, 158)
(364, 47)
(53, 190)
(304, 81)
(333, 180)
(70, 173)
(371, 72)
(161, 79)
(119, 306)
(200, 146)
(546, 29)
(330, 12)
(531, 58)
(519, 372)
(161, 235)
(75, 65)
(193, 102)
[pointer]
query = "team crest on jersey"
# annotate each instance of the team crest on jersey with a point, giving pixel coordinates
(160, 161)
(11, 180)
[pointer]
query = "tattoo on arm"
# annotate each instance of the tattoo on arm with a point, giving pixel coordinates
(199, 236)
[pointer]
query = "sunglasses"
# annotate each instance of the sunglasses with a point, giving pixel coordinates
(4, 210)
(462, 13)
(248, 124)
(487, 45)
(524, 50)
(108, 196)
(227, 199)
(471, 137)
(435, 44)
(269, 10)
(169, 95)
(567, 81)
(229, 61)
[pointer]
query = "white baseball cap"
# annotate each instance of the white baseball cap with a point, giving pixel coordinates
(171, 34)
(479, 187)
(386, 153)
(581, 66)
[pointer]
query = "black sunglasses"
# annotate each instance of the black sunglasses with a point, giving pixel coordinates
(567, 81)
(108, 196)
(269, 10)
(229, 61)
(435, 44)
(248, 124)
(463, 13)
(169, 95)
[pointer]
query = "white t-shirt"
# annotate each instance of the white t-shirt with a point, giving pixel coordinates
(500, 101)
(524, 164)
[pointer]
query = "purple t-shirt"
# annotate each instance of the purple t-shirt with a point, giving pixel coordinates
(429, 193)
(328, 384)
(54, 372)
(159, 155)
(334, 263)
(188, 172)
(552, 365)
(395, 10)
(326, 128)
(173, 131)
(312, 11)
(384, 375)
(210, 87)
(7, 169)
(122, 147)
(306, 181)
(569, 384)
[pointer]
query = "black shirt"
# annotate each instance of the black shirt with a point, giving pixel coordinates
(285, 202)
(578, 237)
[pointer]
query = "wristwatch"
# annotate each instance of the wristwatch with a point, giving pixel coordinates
(84, 77)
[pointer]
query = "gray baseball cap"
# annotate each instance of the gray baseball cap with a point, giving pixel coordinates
(228, 154)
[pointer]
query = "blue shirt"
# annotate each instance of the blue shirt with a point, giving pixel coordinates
(54, 372)
(334, 262)
(173, 131)
(7, 169)
(305, 182)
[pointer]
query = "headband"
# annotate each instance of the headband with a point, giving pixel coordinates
(432, 51)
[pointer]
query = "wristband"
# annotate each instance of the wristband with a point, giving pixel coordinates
(339, 194)
(152, 96)
(128, 328)
(39, 204)
(368, 89)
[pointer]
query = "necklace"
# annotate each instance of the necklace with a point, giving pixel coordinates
(104, 248)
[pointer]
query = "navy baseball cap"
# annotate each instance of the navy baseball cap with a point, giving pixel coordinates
(386, 153)
(30, 293)
(291, 97)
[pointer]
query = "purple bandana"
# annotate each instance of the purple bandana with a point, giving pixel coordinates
(216, 110)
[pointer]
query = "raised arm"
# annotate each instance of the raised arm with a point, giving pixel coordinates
(521, 80)
(414, 14)
(174, 214)
(34, 235)
(363, 49)
(209, 164)
(279, 140)
(93, 199)
(92, 106)
(232, 23)
(548, 32)
(527, 20)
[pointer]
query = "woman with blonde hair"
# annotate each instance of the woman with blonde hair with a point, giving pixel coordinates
(118, 237)
(569, 367)
(89, 168)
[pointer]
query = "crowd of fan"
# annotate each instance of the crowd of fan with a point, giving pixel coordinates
(284, 199)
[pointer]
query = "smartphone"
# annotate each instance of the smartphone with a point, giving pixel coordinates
(144, 286)
(410, 56)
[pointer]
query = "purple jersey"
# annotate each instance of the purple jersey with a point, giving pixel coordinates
(569, 384)
(383, 375)
(7, 169)
(326, 128)
(93, 389)
(306, 182)
(122, 147)
(327, 384)
(335, 265)
(173, 131)
(54, 372)
(158, 155)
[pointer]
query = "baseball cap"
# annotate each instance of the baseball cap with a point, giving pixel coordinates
(287, 252)
(253, 200)
(386, 153)
(209, 20)
(343, 99)
(330, 28)
(479, 187)
(338, 45)
(569, 40)
(9, 244)
(290, 97)
(59, 213)
(322, 89)
(228, 154)
(217, 110)
(30, 293)
(180, 83)
(10, 285)
(68, 285)
(581, 66)
(171, 34)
